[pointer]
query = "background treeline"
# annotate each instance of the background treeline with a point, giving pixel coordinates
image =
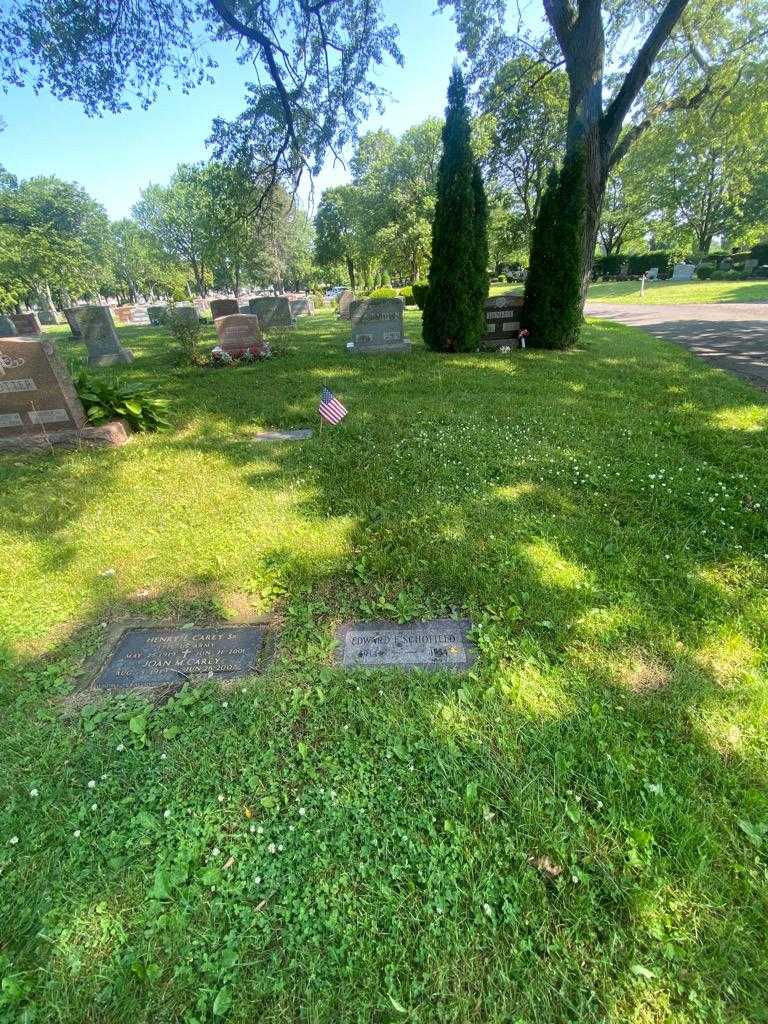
(203, 230)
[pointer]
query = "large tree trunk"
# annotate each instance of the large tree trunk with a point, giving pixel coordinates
(351, 272)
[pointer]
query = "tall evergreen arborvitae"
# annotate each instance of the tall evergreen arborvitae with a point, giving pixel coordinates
(453, 313)
(481, 243)
(552, 309)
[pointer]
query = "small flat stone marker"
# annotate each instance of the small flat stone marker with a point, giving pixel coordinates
(158, 656)
(435, 644)
(303, 434)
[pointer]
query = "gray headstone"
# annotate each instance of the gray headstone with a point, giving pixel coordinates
(223, 307)
(47, 316)
(156, 314)
(652, 274)
(345, 299)
(7, 327)
(302, 306)
(434, 644)
(302, 434)
(74, 326)
(750, 265)
(100, 337)
(502, 321)
(26, 323)
(377, 326)
(682, 272)
(183, 314)
(272, 311)
(157, 656)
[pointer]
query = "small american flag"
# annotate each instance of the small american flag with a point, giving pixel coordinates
(331, 409)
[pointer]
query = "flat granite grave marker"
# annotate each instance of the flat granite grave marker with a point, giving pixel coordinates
(302, 434)
(159, 656)
(223, 307)
(502, 322)
(436, 643)
(272, 311)
(100, 337)
(39, 407)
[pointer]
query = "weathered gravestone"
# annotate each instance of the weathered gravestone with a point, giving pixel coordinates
(502, 322)
(682, 272)
(7, 327)
(435, 644)
(74, 326)
(162, 656)
(26, 323)
(47, 315)
(303, 306)
(100, 337)
(238, 332)
(224, 307)
(272, 311)
(186, 314)
(156, 314)
(345, 299)
(652, 274)
(750, 265)
(377, 326)
(39, 406)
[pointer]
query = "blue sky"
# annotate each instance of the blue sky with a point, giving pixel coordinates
(113, 157)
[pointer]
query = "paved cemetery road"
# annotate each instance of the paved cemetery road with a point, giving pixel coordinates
(730, 335)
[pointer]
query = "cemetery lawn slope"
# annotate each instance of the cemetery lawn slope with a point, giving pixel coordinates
(679, 292)
(576, 831)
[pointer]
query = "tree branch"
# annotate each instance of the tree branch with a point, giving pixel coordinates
(635, 79)
(562, 17)
(633, 133)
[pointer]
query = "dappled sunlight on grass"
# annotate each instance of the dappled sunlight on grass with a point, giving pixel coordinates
(553, 569)
(749, 418)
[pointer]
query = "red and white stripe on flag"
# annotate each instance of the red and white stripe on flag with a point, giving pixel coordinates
(331, 409)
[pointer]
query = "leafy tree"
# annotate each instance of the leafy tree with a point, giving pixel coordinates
(480, 236)
(453, 310)
(691, 54)
(316, 59)
(524, 114)
(537, 312)
(337, 234)
(627, 204)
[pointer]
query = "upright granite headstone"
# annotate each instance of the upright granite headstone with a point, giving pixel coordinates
(377, 326)
(47, 316)
(39, 406)
(433, 644)
(71, 314)
(7, 327)
(302, 306)
(345, 299)
(750, 265)
(272, 311)
(238, 332)
(224, 307)
(156, 314)
(26, 323)
(183, 314)
(682, 272)
(100, 337)
(502, 322)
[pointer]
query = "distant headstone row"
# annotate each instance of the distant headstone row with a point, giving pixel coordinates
(166, 656)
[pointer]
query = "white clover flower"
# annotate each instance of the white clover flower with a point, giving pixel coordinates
(272, 848)
(77, 833)
(260, 830)
(13, 840)
(34, 792)
(488, 909)
(257, 880)
(104, 777)
(94, 807)
(225, 704)
(280, 847)
(120, 748)
(302, 811)
(215, 851)
(163, 757)
(166, 814)
(221, 798)
(92, 784)
(253, 828)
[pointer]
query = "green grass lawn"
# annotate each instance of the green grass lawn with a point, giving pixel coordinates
(576, 831)
(659, 293)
